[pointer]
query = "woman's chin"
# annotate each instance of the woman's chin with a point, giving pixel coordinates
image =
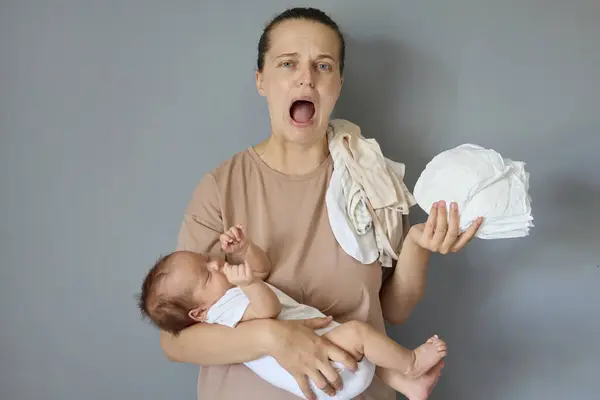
(292, 131)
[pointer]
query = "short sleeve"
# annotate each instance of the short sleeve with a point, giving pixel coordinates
(202, 221)
(230, 308)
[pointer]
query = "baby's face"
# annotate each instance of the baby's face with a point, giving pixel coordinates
(212, 282)
(203, 276)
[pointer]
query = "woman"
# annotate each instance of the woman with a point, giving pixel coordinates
(277, 190)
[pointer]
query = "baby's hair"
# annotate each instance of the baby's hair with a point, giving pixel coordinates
(169, 313)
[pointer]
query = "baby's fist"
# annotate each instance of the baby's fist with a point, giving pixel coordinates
(239, 275)
(234, 240)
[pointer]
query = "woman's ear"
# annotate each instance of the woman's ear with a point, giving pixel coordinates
(198, 314)
(259, 83)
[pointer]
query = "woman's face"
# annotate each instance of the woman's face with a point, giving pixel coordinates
(302, 64)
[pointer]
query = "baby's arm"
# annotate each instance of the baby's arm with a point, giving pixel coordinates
(259, 261)
(243, 250)
(263, 301)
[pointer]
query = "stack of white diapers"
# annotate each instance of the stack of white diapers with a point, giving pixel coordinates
(482, 183)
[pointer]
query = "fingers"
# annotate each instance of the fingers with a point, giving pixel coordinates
(240, 275)
(245, 272)
(302, 381)
(317, 323)
(228, 270)
(431, 220)
(441, 226)
(332, 376)
(240, 234)
(442, 347)
(233, 234)
(321, 383)
(225, 240)
(231, 237)
(337, 354)
(231, 271)
(442, 233)
(236, 271)
(236, 231)
(452, 231)
(467, 235)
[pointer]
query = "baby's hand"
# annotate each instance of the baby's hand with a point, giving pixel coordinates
(239, 275)
(234, 240)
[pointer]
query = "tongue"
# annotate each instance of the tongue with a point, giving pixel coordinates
(302, 111)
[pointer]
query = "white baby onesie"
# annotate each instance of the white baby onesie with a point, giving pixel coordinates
(229, 311)
(483, 183)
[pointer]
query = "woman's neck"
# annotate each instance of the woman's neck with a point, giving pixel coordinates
(292, 158)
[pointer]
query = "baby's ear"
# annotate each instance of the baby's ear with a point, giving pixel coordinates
(198, 314)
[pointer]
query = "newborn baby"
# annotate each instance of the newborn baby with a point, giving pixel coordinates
(185, 288)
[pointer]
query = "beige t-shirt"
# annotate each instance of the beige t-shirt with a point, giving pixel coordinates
(287, 217)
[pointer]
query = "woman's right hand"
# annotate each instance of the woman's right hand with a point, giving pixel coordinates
(306, 355)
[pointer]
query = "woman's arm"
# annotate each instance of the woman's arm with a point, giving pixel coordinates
(402, 291)
(212, 344)
(406, 287)
(294, 344)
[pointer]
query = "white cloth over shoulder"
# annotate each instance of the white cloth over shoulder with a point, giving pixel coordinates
(366, 198)
(482, 183)
(230, 308)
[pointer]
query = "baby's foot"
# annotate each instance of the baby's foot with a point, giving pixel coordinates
(426, 356)
(420, 388)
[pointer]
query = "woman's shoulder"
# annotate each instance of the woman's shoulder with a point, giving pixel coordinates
(227, 171)
(211, 185)
(233, 167)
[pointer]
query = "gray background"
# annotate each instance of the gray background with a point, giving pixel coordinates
(110, 112)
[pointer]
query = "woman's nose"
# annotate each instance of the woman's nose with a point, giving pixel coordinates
(305, 77)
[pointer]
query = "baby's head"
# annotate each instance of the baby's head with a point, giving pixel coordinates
(180, 288)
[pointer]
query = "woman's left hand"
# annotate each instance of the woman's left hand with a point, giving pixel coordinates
(439, 235)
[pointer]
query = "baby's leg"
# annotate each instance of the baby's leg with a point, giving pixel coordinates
(362, 339)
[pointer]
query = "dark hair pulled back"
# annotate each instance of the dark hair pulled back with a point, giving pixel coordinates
(301, 13)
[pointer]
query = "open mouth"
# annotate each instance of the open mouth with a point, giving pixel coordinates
(302, 111)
